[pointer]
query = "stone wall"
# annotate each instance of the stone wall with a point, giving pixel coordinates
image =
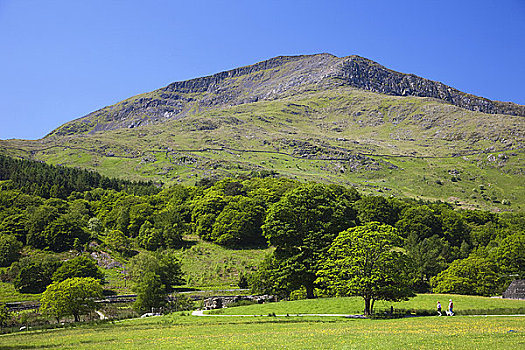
(516, 290)
(219, 302)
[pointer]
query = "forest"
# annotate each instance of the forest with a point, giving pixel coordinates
(56, 209)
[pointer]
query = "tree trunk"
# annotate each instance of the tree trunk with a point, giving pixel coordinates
(309, 292)
(367, 306)
(372, 307)
(77, 318)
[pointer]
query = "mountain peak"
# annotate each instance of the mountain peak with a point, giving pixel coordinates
(271, 79)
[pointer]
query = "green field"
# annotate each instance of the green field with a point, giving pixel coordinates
(189, 332)
(180, 331)
(354, 305)
(8, 294)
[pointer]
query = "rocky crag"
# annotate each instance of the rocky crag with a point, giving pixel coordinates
(269, 80)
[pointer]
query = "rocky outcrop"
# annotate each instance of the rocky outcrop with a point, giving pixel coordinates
(272, 79)
(366, 74)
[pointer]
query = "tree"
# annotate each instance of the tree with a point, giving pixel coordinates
(163, 264)
(33, 275)
(149, 237)
(205, 211)
(61, 233)
(301, 227)
(269, 278)
(475, 275)
(15, 225)
(80, 266)
(9, 249)
(37, 221)
(419, 221)
(367, 261)
(151, 293)
(239, 223)
(73, 296)
(427, 257)
(509, 256)
(117, 241)
(138, 214)
(5, 316)
(94, 226)
(376, 208)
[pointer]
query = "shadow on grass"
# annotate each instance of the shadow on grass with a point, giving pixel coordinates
(49, 346)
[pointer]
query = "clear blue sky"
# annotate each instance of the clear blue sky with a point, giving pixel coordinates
(60, 60)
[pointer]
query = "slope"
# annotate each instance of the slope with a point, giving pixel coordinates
(398, 145)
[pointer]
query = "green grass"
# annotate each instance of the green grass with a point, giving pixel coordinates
(355, 305)
(176, 332)
(8, 294)
(207, 265)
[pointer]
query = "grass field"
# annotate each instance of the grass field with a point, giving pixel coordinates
(9, 294)
(187, 332)
(355, 305)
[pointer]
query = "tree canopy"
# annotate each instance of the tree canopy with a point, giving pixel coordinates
(367, 261)
(301, 227)
(80, 266)
(73, 296)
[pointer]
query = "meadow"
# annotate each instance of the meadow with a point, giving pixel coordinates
(189, 332)
(354, 305)
(182, 331)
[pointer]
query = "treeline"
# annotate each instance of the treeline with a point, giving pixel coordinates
(458, 251)
(49, 181)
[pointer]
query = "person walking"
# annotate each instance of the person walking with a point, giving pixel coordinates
(439, 308)
(450, 311)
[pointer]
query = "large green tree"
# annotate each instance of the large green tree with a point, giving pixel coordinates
(301, 227)
(33, 274)
(475, 275)
(151, 293)
(80, 266)
(376, 208)
(73, 296)
(509, 256)
(367, 261)
(239, 223)
(9, 249)
(164, 264)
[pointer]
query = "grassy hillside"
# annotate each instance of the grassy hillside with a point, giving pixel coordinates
(205, 266)
(400, 146)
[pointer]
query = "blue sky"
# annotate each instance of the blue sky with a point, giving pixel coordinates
(60, 60)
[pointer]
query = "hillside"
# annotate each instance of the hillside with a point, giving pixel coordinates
(337, 120)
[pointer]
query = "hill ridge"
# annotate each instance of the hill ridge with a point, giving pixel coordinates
(272, 79)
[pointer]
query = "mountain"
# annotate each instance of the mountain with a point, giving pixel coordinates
(317, 117)
(269, 80)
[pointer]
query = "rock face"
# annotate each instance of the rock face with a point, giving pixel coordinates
(365, 74)
(272, 79)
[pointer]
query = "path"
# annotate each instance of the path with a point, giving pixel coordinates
(201, 313)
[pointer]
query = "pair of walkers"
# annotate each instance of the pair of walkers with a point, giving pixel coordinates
(450, 311)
